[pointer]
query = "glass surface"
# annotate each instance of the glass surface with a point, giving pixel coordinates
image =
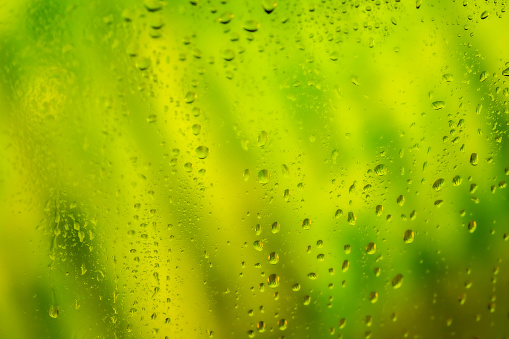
(266, 169)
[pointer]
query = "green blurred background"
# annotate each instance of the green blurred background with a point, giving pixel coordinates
(193, 169)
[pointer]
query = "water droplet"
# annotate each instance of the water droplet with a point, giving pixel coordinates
(400, 200)
(373, 297)
(377, 271)
(261, 326)
(307, 300)
(484, 15)
(306, 224)
(273, 280)
(282, 324)
(156, 22)
(381, 170)
(296, 287)
(438, 105)
(143, 63)
(262, 138)
(54, 311)
(320, 257)
(505, 72)
(202, 152)
(334, 56)
(152, 118)
(347, 249)
(351, 218)
(286, 195)
(228, 55)
(355, 80)
(339, 213)
(226, 17)
(258, 229)
(342, 323)
(251, 25)
(474, 159)
(312, 276)
(371, 248)
(269, 6)
(483, 76)
(275, 227)
(247, 174)
(413, 215)
(196, 111)
(462, 298)
(478, 109)
(473, 188)
(379, 210)
(472, 225)
(438, 184)
(263, 176)
(457, 180)
(188, 167)
(397, 281)
(408, 237)
(345, 266)
(258, 245)
(273, 258)
(448, 77)
(491, 307)
(190, 97)
(153, 5)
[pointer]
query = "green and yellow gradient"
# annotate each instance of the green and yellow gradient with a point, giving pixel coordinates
(113, 226)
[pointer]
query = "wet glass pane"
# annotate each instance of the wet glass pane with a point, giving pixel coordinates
(254, 169)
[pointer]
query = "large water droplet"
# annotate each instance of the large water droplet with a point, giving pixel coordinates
(202, 152)
(263, 176)
(269, 6)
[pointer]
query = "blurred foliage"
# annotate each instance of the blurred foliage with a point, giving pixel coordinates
(231, 169)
